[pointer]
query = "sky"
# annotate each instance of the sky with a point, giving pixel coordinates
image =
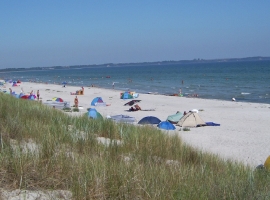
(67, 32)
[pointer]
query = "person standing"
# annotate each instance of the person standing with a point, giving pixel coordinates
(38, 95)
(76, 102)
(113, 85)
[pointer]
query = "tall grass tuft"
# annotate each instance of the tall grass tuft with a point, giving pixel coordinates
(44, 148)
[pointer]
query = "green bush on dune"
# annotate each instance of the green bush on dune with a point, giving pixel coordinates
(135, 163)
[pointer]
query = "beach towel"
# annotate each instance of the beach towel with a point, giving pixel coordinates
(211, 124)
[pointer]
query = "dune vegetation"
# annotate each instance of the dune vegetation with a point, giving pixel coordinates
(47, 149)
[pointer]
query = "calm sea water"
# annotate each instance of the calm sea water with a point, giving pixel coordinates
(244, 81)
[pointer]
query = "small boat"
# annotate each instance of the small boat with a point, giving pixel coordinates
(108, 77)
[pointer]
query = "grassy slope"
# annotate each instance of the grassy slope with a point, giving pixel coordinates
(148, 165)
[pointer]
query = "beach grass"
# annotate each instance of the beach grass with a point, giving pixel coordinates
(46, 149)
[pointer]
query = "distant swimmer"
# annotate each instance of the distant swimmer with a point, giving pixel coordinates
(182, 82)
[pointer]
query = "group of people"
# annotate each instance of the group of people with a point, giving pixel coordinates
(22, 92)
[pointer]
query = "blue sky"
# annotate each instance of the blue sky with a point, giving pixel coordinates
(64, 32)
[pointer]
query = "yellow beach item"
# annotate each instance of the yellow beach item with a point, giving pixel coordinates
(267, 163)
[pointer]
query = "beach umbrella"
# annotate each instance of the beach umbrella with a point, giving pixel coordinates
(166, 125)
(149, 120)
(57, 99)
(132, 102)
(64, 83)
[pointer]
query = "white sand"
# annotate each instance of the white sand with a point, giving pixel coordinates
(242, 136)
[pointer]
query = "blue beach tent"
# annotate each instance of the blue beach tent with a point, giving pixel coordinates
(126, 95)
(93, 113)
(149, 120)
(166, 125)
(174, 119)
(98, 101)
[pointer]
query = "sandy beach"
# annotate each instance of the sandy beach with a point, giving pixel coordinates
(243, 134)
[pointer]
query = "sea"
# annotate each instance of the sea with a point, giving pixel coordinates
(246, 81)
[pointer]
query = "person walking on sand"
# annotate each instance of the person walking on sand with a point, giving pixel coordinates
(76, 102)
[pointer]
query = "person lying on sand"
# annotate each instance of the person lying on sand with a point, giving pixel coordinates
(135, 108)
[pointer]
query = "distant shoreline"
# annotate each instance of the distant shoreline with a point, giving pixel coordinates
(194, 61)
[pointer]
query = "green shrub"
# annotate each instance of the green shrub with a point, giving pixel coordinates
(66, 109)
(186, 129)
(75, 110)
